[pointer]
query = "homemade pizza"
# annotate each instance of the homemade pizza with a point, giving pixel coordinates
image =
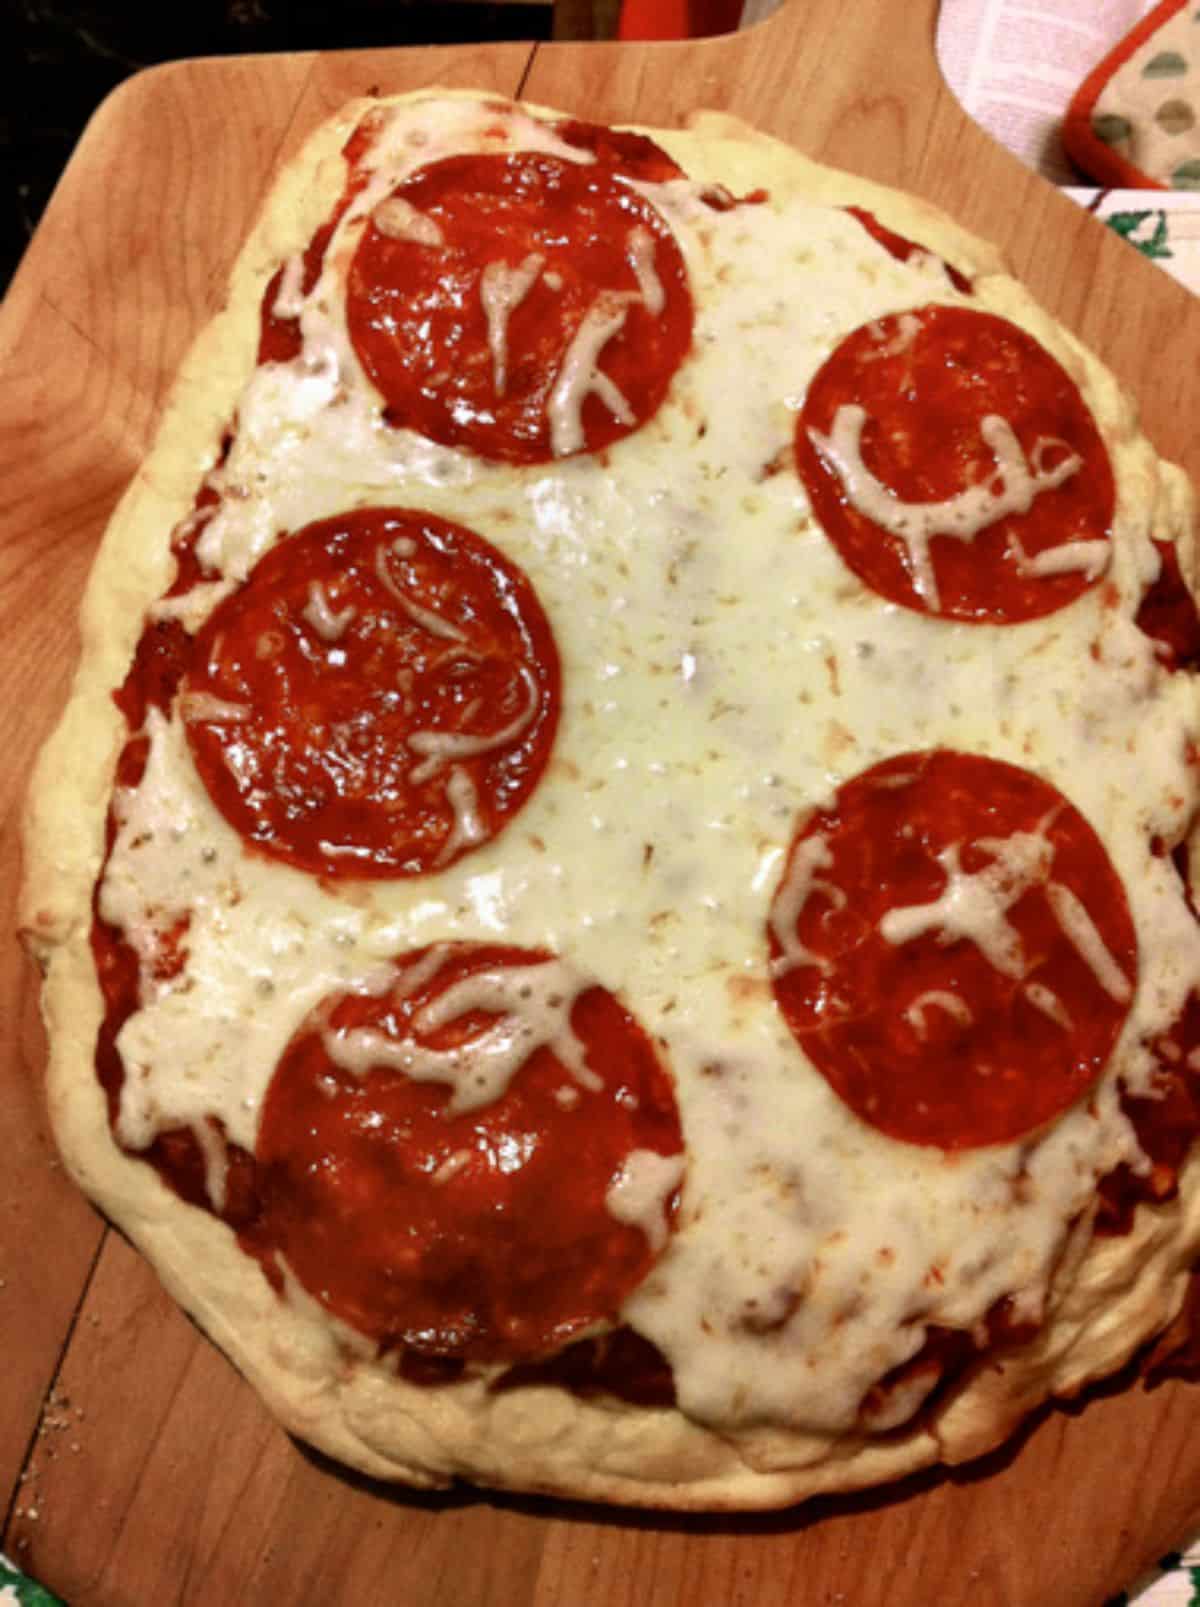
(614, 887)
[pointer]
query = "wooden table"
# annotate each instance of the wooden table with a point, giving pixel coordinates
(135, 1466)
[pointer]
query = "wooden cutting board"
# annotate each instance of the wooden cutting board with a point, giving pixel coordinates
(135, 1466)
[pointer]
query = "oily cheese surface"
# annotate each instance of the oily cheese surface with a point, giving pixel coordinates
(723, 675)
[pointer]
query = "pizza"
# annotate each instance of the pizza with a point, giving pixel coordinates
(614, 887)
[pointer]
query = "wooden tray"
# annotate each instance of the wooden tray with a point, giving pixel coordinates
(135, 1466)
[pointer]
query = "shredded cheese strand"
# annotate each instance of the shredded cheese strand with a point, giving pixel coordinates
(1082, 931)
(208, 706)
(1090, 557)
(289, 298)
(318, 613)
(400, 220)
(502, 290)
(532, 1005)
(800, 882)
(580, 375)
(1011, 487)
(468, 828)
(638, 1194)
(974, 905)
(439, 747)
(1048, 1002)
(943, 999)
(435, 624)
(641, 260)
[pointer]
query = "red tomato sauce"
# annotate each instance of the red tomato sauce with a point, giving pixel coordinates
(1166, 1122)
(1168, 613)
(900, 247)
(280, 337)
(633, 156)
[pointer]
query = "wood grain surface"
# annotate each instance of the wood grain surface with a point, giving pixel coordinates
(135, 1466)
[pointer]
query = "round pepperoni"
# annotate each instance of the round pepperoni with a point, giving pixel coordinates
(952, 948)
(522, 306)
(953, 463)
(377, 699)
(480, 1162)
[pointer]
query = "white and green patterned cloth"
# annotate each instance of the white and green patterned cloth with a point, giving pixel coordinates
(1163, 225)
(16, 1590)
(1175, 1582)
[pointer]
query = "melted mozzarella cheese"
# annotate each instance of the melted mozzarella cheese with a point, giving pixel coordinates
(723, 674)
(908, 327)
(953, 1004)
(438, 747)
(289, 297)
(532, 1005)
(1088, 557)
(1081, 929)
(502, 290)
(1048, 1002)
(400, 220)
(329, 625)
(974, 907)
(468, 828)
(798, 886)
(208, 706)
(581, 375)
(436, 624)
(641, 257)
(639, 1193)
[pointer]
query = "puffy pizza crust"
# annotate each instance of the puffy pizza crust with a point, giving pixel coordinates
(1107, 1296)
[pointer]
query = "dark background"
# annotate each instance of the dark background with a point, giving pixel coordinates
(62, 59)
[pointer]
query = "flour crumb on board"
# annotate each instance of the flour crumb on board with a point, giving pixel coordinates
(58, 1418)
(58, 1415)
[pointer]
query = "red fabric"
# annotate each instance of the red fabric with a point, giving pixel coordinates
(1098, 160)
(677, 19)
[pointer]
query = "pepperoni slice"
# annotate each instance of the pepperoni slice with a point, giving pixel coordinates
(522, 306)
(377, 699)
(902, 248)
(479, 1163)
(952, 948)
(953, 463)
